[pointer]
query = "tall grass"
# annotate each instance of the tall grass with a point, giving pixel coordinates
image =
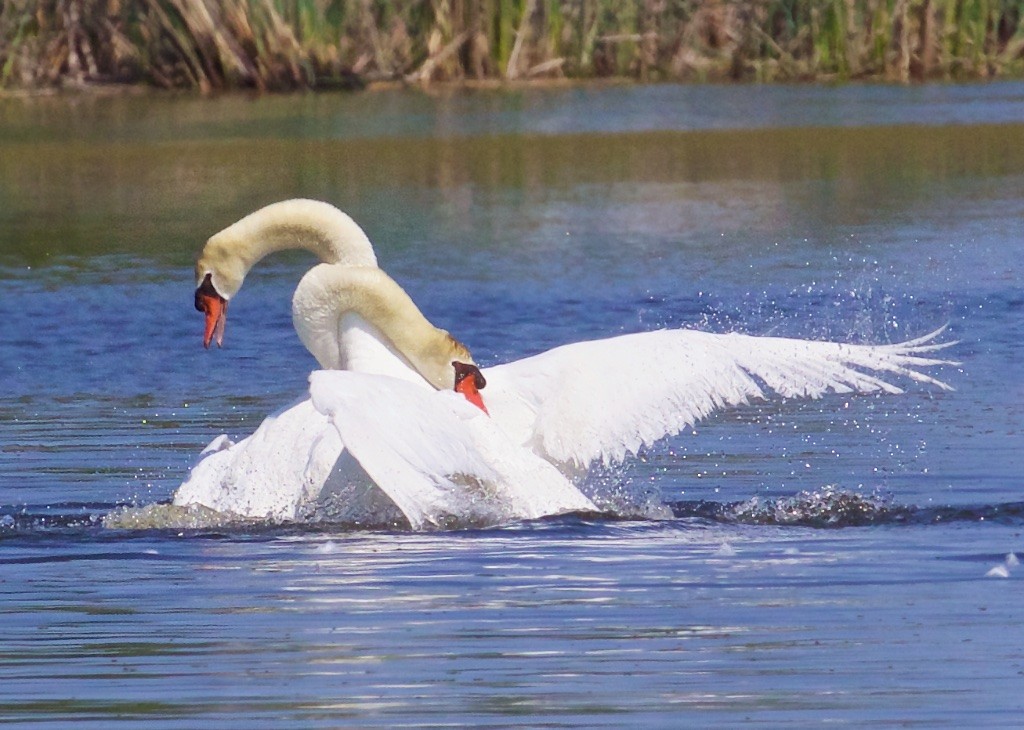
(287, 44)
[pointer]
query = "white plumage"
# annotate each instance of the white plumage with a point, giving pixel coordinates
(379, 436)
(605, 399)
(439, 459)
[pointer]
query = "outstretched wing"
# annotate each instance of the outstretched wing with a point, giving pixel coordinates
(604, 399)
(440, 459)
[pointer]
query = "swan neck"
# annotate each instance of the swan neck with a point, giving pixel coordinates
(328, 295)
(320, 228)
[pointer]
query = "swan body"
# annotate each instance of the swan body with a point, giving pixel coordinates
(383, 430)
(439, 458)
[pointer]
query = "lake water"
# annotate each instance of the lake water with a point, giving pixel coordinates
(841, 561)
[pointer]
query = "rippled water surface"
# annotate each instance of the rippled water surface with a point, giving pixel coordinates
(848, 561)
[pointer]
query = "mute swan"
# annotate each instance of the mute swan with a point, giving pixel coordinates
(383, 411)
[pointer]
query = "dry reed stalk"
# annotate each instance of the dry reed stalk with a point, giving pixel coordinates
(425, 73)
(286, 44)
(512, 70)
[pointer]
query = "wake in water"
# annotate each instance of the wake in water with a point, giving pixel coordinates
(827, 508)
(831, 507)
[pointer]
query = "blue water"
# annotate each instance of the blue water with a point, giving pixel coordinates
(828, 562)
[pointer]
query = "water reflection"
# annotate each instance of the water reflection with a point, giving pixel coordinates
(120, 191)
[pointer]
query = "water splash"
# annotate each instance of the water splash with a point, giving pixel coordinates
(828, 507)
(1005, 568)
(832, 507)
(172, 517)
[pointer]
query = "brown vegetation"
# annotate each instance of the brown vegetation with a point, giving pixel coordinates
(288, 44)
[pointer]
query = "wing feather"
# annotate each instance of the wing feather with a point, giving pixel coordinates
(604, 399)
(439, 459)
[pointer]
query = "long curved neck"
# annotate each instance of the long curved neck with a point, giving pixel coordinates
(327, 294)
(312, 225)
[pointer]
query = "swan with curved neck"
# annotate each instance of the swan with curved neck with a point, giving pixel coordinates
(347, 291)
(317, 227)
(553, 414)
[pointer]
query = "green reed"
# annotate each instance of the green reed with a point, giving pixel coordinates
(287, 44)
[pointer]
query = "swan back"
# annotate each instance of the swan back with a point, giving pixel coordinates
(312, 225)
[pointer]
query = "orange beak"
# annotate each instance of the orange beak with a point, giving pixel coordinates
(468, 381)
(216, 308)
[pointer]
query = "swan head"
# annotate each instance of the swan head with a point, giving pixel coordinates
(221, 267)
(215, 307)
(219, 276)
(469, 381)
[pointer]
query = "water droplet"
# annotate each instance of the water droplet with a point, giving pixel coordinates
(725, 550)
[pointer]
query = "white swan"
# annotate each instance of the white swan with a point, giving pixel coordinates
(383, 433)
